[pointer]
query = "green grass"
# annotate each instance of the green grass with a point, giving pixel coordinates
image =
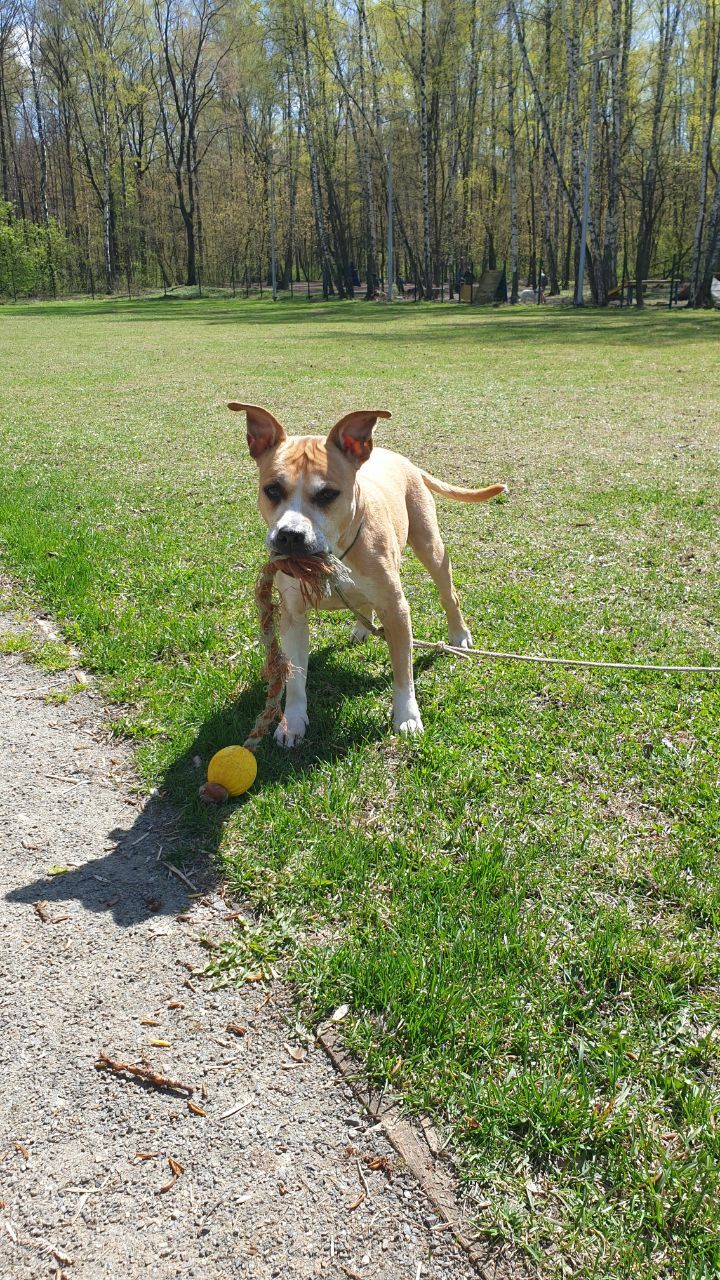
(522, 907)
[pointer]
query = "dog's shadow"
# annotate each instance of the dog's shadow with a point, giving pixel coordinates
(174, 825)
(332, 684)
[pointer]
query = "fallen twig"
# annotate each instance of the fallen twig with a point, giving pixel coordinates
(180, 874)
(142, 1072)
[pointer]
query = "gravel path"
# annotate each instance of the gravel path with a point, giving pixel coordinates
(105, 957)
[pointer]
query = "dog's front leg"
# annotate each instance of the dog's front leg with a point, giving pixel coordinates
(395, 617)
(295, 639)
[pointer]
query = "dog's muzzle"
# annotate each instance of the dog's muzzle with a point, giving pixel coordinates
(292, 542)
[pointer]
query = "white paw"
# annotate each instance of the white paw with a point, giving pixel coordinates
(359, 634)
(461, 639)
(410, 727)
(406, 716)
(291, 730)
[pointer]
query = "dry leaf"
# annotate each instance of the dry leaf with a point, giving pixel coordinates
(147, 1155)
(176, 1169)
(282, 1189)
(175, 1004)
(161, 1044)
(42, 912)
(296, 1053)
(23, 1150)
(236, 1028)
(196, 1110)
(341, 1012)
(357, 1202)
(150, 1022)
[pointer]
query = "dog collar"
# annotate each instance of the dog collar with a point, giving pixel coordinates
(352, 544)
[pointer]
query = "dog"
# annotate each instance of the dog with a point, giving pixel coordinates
(340, 495)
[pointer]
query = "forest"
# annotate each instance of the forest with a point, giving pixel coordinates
(162, 142)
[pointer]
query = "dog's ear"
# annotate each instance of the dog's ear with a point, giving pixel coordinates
(353, 434)
(263, 430)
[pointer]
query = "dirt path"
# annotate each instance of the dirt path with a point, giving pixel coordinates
(109, 961)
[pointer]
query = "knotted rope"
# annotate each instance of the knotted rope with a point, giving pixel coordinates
(315, 576)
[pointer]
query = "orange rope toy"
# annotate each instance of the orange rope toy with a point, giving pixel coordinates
(313, 574)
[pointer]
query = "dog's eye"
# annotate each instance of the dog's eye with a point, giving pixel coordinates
(325, 496)
(274, 493)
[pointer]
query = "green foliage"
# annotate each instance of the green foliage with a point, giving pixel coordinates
(33, 259)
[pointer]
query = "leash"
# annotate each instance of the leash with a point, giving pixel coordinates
(317, 576)
(497, 655)
(441, 647)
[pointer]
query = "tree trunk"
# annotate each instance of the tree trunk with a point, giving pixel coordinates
(427, 282)
(621, 33)
(366, 167)
(511, 159)
(649, 202)
(549, 245)
(711, 59)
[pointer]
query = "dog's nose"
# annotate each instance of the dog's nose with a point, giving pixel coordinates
(289, 542)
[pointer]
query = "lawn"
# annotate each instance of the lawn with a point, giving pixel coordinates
(521, 908)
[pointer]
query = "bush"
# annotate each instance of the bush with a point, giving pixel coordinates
(33, 259)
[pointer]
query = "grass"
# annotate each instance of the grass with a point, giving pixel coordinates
(521, 908)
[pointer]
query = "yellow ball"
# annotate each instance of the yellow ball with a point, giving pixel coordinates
(235, 768)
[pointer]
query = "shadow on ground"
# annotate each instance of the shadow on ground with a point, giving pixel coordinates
(175, 826)
(501, 326)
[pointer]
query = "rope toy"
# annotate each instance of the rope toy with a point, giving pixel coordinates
(233, 770)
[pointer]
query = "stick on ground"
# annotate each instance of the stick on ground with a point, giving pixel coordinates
(142, 1072)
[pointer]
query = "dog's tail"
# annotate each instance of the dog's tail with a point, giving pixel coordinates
(462, 495)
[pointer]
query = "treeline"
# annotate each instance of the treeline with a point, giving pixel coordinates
(152, 142)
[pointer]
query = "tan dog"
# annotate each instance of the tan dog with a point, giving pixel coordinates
(363, 505)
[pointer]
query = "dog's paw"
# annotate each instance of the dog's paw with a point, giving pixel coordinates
(411, 727)
(461, 639)
(291, 731)
(406, 718)
(359, 634)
